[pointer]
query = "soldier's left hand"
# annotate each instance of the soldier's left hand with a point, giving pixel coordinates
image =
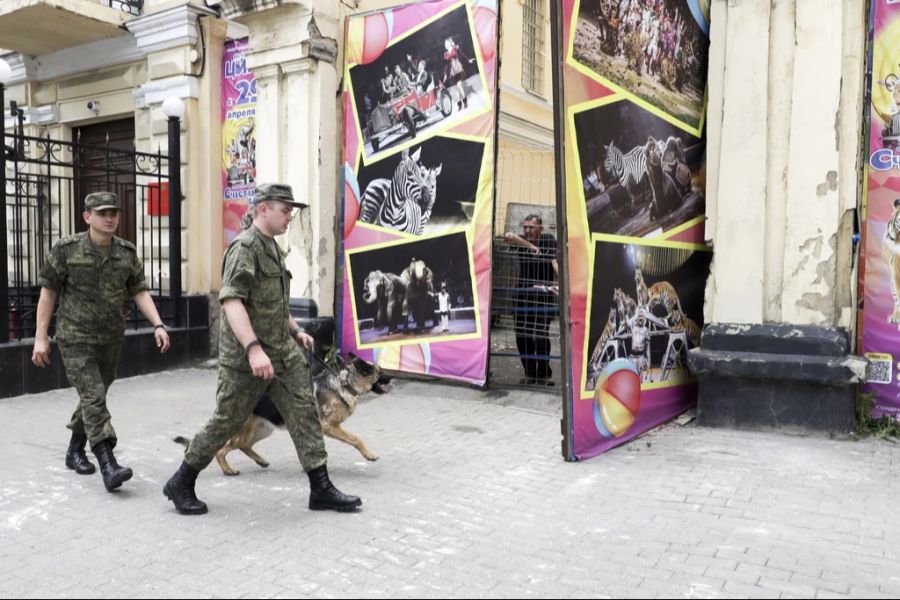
(41, 354)
(162, 340)
(306, 340)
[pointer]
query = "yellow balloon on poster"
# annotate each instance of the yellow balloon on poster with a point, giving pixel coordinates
(355, 37)
(367, 38)
(388, 358)
(885, 71)
(409, 359)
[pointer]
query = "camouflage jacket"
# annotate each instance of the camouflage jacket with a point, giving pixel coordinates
(93, 288)
(252, 273)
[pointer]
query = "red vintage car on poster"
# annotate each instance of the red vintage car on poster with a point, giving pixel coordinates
(409, 111)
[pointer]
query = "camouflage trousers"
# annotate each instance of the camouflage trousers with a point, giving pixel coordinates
(91, 368)
(236, 397)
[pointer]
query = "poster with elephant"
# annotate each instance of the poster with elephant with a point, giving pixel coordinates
(632, 99)
(421, 290)
(880, 273)
(419, 104)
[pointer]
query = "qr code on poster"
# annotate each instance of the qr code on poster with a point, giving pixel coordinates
(879, 369)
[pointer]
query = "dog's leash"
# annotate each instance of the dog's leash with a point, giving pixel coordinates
(312, 389)
(310, 354)
(284, 384)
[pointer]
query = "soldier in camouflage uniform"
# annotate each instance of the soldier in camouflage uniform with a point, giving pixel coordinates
(259, 352)
(93, 273)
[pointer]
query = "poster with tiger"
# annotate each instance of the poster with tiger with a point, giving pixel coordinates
(632, 100)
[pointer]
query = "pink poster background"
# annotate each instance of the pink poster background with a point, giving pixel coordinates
(657, 404)
(368, 36)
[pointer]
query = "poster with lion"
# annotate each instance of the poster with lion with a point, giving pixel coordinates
(632, 102)
(880, 340)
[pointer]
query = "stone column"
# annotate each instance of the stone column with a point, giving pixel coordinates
(739, 200)
(785, 132)
(298, 138)
(784, 127)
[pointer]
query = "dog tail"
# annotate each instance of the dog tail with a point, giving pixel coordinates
(182, 440)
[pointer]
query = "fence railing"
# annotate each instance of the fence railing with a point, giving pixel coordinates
(45, 182)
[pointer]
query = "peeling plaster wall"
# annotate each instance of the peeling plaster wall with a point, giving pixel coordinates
(298, 135)
(781, 196)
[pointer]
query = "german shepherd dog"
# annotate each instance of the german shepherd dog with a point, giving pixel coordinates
(337, 394)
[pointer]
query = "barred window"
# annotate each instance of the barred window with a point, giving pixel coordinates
(533, 45)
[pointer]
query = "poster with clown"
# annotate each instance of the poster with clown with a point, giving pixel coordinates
(880, 267)
(419, 99)
(632, 99)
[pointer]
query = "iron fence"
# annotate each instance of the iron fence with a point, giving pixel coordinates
(525, 325)
(45, 182)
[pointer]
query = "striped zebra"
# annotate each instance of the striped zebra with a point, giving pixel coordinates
(404, 202)
(630, 169)
(429, 186)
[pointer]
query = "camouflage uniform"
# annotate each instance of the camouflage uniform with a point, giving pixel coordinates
(93, 284)
(254, 271)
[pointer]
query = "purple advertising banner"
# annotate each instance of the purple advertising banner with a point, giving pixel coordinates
(880, 274)
(238, 137)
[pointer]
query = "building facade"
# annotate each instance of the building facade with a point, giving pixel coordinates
(784, 125)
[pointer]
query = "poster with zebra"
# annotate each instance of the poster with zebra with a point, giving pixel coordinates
(420, 290)
(645, 305)
(425, 189)
(632, 100)
(420, 83)
(653, 51)
(419, 98)
(640, 174)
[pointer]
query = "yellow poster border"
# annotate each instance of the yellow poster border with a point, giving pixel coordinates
(697, 130)
(418, 340)
(584, 392)
(575, 110)
(444, 127)
(668, 235)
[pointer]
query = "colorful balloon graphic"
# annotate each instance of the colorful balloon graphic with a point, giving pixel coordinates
(351, 200)
(368, 37)
(351, 210)
(617, 398)
(486, 29)
(410, 359)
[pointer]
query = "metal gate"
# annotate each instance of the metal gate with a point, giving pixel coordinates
(525, 335)
(42, 186)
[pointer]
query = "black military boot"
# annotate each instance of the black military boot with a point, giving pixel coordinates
(324, 496)
(113, 475)
(180, 490)
(76, 459)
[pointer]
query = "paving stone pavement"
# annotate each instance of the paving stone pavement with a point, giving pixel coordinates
(469, 499)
